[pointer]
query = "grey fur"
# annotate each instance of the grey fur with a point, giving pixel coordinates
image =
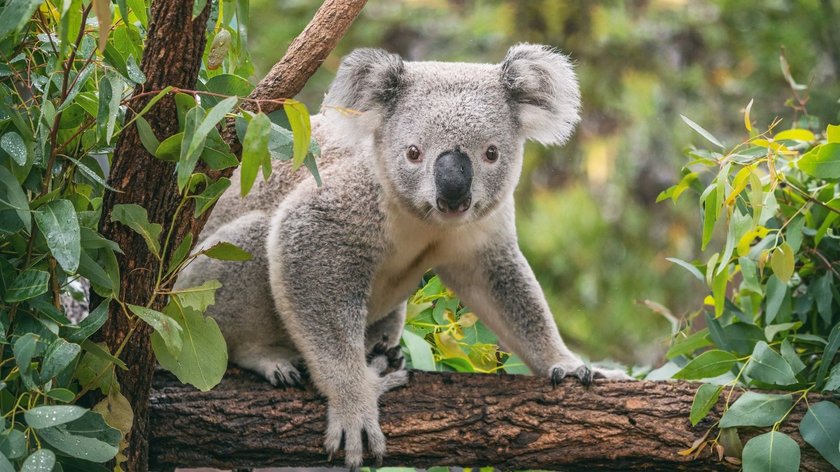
(333, 266)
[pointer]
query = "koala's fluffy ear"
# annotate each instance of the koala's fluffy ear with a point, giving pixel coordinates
(543, 84)
(367, 79)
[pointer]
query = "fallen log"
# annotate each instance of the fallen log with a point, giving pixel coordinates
(507, 421)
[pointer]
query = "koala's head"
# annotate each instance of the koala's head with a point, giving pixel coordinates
(448, 137)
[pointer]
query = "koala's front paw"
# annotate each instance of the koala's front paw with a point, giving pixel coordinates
(610, 374)
(582, 373)
(350, 425)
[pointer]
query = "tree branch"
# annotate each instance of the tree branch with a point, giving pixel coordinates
(510, 422)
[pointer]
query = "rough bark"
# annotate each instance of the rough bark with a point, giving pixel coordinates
(510, 422)
(149, 182)
(174, 48)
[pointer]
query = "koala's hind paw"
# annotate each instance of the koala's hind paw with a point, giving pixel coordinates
(350, 428)
(582, 373)
(384, 359)
(283, 374)
(610, 374)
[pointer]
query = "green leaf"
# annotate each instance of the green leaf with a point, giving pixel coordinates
(42, 417)
(198, 298)
(688, 344)
(15, 14)
(771, 452)
(13, 144)
(28, 284)
(147, 136)
(820, 427)
(782, 262)
(13, 443)
(709, 364)
(821, 290)
(88, 438)
(419, 351)
(710, 214)
(301, 130)
(776, 290)
(187, 161)
(61, 394)
(767, 366)
(198, 7)
(42, 460)
(203, 359)
(226, 84)
(138, 7)
(58, 357)
(771, 331)
(691, 268)
(833, 382)
(5, 465)
(830, 350)
(170, 148)
(516, 366)
(135, 217)
(90, 324)
(756, 409)
(704, 400)
(699, 129)
(210, 195)
(101, 351)
(254, 150)
(225, 251)
(181, 253)
(25, 349)
(166, 327)
(57, 220)
(822, 162)
(741, 337)
(195, 135)
(12, 196)
(792, 358)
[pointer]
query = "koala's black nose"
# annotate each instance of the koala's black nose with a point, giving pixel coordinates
(453, 179)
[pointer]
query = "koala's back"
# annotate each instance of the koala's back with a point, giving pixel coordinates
(265, 196)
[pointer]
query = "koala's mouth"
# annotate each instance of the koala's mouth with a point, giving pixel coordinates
(455, 208)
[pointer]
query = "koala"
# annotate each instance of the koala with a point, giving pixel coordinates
(419, 176)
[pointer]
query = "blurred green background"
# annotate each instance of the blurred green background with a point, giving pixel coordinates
(587, 216)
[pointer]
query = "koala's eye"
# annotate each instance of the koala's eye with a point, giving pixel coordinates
(492, 153)
(413, 154)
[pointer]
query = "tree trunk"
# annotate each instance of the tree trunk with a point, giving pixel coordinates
(507, 421)
(150, 183)
(172, 56)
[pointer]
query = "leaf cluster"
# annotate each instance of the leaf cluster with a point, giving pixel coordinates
(770, 208)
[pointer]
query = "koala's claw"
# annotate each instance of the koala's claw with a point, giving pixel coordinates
(286, 375)
(350, 431)
(583, 374)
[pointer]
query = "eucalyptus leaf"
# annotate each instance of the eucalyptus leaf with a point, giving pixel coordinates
(135, 217)
(820, 427)
(48, 416)
(58, 222)
(771, 452)
(225, 251)
(704, 400)
(203, 358)
(767, 366)
(709, 364)
(756, 409)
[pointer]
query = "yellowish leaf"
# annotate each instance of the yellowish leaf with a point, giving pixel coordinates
(832, 133)
(747, 122)
(102, 9)
(795, 135)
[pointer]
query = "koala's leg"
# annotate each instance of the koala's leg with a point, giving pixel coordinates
(499, 285)
(322, 301)
(383, 341)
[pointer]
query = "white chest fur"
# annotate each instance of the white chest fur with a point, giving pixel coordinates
(417, 246)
